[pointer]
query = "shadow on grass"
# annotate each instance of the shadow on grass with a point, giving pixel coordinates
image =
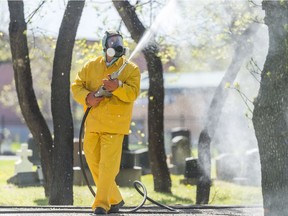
(41, 201)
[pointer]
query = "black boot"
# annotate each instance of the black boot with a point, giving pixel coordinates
(100, 211)
(115, 208)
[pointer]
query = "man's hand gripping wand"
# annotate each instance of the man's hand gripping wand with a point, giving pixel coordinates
(102, 91)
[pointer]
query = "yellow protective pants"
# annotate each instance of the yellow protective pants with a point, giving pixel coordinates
(103, 155)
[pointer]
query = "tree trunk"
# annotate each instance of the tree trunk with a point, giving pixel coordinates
(270, 116)
(25, 92)
(62, 184)
(204, 160)
(160, 172)
(240, 55)
(157, 153)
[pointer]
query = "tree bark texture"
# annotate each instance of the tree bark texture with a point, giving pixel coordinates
(62, 184)
(157, 155)
(243, 46)
(270, 115)
(25, 92)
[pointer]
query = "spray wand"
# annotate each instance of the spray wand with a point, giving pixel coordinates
(102, 91)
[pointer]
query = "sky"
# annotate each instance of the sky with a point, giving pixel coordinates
(49, 17)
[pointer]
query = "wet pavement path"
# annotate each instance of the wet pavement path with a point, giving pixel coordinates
(146, 210)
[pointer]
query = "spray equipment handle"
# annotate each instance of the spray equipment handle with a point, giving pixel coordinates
(102, 91)
(116, 74)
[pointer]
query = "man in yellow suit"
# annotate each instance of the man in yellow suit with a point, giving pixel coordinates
(109, 118)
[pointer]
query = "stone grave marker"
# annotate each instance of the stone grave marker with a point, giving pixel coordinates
(5, 142)
(180, 151)
(24, 174)
(78, 178)
(129, 172)
(228, 167)
(252, 167)
(179, 131)
(192, 171)
(23, 164)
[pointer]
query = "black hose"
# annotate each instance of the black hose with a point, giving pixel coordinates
(80, 151)
(136, 184)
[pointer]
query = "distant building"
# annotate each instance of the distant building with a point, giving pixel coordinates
(8, 117)
(187, 98)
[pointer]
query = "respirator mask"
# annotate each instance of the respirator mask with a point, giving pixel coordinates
(113, 44)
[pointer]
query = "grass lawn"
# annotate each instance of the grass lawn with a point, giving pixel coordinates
(222, 193)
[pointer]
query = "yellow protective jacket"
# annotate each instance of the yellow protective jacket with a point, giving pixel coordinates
(113, 114)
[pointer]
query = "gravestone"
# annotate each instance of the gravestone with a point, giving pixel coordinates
(24, 174)
(5, 142)
(129, 172)
(78, 178)
(252, 167)
(180, 131)
(23, 164)
(228, 167)
(180, 151)
(142, 160)
(127, 176)
(192, 170)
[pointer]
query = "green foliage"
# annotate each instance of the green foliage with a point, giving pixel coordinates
(83, 52)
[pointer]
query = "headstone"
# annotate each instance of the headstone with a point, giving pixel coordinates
(127, 176)
(139, 158)
(191, 174)
(142, 160)
(180, 151)
(252, 167)
(25, 179)
(228, 167)
(191, 168)
(24, 174)
(76, 156)
(180, 131)
(127, 159)
(129, 172)
(23, 164)
(78, 178)
(5, 142)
